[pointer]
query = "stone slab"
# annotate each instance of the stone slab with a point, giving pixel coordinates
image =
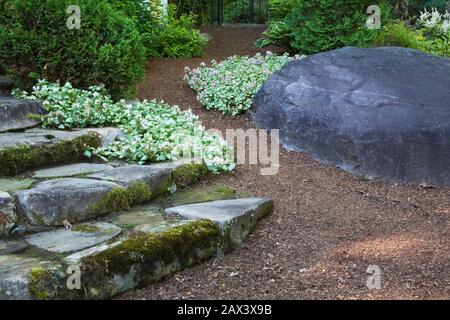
(78, 238)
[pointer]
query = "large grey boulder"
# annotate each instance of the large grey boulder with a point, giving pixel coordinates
(236, 218)
(17, 114)
(383, 113)
(53, 201)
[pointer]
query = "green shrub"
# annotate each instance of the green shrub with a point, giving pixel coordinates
(278, 9)
(178, 37)
(432, 35)
(35, 43)
(315, 26)
(399, 35)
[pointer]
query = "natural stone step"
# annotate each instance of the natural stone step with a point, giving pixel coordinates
(159, 177)
(17, 114)
(71, 170)
(53, 201)
(236, 218)
(141, 259)
(36, 148)
(78, 238)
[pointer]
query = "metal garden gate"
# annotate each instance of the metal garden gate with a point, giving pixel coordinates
(238, 11)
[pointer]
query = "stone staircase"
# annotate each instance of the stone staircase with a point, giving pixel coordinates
(109, 226)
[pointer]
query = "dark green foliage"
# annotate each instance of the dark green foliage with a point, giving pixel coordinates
(35, 43)
(315, 26)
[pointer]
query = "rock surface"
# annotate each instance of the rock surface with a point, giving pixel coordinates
(236, 218)
(7, 218)
(15, 114)
(53, 201)
(383, 113)
(155, 176)
(14, 276)
(22, 151)
(12, 185)
(71, 170)
(78, 238)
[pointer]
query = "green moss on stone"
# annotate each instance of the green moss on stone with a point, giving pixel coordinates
(38, 280)
(139, 193)
(149, 257)
(188, 174)
(16, 160)
(122, 199)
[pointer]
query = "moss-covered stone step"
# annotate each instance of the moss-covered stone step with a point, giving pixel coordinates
(236, 218)
(35, 148)
(51, 202)
(18, 114)
(54, 201)
(159, 177)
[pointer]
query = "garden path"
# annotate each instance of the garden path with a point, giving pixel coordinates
(327, 228)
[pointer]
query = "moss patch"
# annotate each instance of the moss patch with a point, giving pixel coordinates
(122, 199)
(188, 174)
(16, 160)
(38, 280)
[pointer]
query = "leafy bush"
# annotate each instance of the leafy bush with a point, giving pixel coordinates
(178, 38)
(399, 35)
(154, 131)
(35, 43)
(432, 35)
(278, 9)
(229, 86)
(315, 26)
